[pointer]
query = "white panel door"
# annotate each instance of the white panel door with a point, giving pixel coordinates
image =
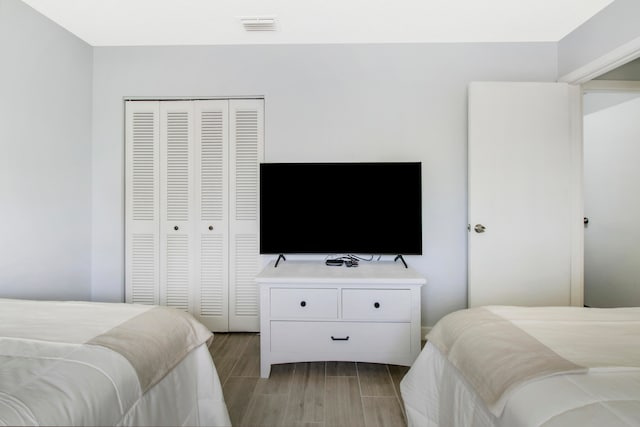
(211, 295)
(176, 204)
(142, 245)
(522, 194)
(247, 140)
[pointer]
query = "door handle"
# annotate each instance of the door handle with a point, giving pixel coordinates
(479, 228)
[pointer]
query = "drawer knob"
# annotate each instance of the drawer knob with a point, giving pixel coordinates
(376, 304)
(303, 303)
(339, 339)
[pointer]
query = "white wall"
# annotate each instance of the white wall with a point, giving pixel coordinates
(615, 26)
(390, 102)
(45, 160)
(597, 101)
(612, 175)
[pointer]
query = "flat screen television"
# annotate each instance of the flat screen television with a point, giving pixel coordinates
(341, 208)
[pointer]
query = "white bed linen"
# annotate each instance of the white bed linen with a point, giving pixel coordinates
(190, 395)
(436, 394)
(49, 377)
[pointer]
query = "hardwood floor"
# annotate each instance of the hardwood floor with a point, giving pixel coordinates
(316, 394)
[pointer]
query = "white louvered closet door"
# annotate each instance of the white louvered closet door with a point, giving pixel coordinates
(177, 240)
(142, 245)
(247, 141)
(192, 208)
(212, 200)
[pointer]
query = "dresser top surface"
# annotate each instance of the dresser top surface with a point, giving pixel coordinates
(318, 272)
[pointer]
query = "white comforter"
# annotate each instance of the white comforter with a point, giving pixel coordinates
(50, 376)
(607, 393)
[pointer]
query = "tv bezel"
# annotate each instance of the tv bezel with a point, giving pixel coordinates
(418, 242)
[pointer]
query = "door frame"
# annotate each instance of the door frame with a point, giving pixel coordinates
(581, 79)
(577, 197)
(595, 86)
(607, 62)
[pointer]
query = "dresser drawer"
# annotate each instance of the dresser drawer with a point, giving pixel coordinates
(304, 303)
(337, 340)
(376, 304)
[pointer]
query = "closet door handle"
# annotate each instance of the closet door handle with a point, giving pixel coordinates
(176, 228)
(339, 339)
(210, 227)
(303, 303)
(376, 304)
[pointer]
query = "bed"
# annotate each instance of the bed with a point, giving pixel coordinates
(80, 363)
(528, 366)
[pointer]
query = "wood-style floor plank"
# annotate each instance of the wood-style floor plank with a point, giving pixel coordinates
(279, 382)
(218, 342)
(265, 410)
(341, 369)
(382, 412)
(317, 394)
(236, 390)
(306, 400)
(303, 424)
(375, 380)
(233, 345)
(249, 363)
(343, 402)
(397, 374)
(227, 355)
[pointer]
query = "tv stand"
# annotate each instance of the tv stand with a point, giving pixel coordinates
(312, 312)
(401, 259)
(281, 257)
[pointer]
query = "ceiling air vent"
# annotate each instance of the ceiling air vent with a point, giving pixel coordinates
(259, 23)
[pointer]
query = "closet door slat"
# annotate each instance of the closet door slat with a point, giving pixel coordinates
(176, 204)
(246, 153)
(142, 202)
(212, 205)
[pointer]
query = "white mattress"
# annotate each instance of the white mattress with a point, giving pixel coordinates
(435, 394)
(48, 376)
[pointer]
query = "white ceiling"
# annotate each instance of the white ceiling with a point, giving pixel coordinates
(198, 22)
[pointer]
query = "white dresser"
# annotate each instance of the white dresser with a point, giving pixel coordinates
(313, 312)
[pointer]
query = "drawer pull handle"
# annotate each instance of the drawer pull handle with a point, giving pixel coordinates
(303, 303)
(376, 304)
(339, 339)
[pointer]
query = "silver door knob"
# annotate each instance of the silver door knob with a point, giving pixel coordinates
(479, 228)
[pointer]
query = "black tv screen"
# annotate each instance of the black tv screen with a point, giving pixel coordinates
(341, 208)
